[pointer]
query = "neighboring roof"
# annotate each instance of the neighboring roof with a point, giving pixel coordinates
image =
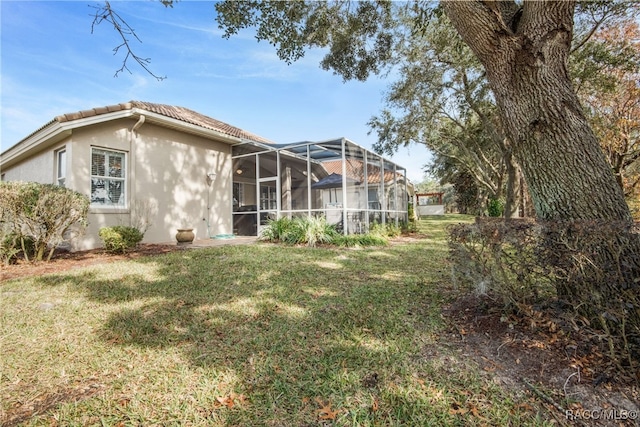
(175, 112)
(333, 181)
(355, 170)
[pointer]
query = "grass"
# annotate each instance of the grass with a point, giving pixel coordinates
(260, 335)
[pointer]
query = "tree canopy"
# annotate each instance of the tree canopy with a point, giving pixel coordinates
(514, 87)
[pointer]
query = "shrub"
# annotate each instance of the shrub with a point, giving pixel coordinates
(312, 230)
(411, 213)
(386, 230)
(591, 266)
(120, 238)
(9, 244)
(495, 207)
(393, 230)
(276, 230)
(299, 230)
(408, 227)
(45, 213)
(355, 240)
(499, 256)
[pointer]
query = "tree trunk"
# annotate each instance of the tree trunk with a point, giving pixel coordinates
(524, 50)
(510, 206)
(525, 59)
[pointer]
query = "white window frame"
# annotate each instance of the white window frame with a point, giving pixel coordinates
(240, 193)
(109, 180)
(61, 167)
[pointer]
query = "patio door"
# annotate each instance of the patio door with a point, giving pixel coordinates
(268, 206)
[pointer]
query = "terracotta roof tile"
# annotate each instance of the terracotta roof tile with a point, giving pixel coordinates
(178, 113)
(355, 170)
(195, 118)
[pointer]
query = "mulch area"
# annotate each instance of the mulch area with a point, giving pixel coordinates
(64, 261)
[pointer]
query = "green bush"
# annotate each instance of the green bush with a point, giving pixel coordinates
(120, 238)
(276, 230)
(355, 240)
(46, 214)
(9, 245)
(311, 231)
(408, 227)
(495, 207)
(300, 230)
(386, 230)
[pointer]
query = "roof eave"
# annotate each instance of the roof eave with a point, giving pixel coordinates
(50, 134)
(183, 126)
(56, 131)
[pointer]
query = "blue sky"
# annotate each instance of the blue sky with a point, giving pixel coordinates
(51, 64)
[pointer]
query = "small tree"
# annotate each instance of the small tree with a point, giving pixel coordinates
(44, 213)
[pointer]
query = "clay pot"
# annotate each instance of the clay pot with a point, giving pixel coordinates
(185, 236)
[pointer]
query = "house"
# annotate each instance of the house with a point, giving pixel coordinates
(177, 168)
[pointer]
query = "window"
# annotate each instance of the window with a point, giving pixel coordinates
(107, 178)
(238, 195)
(374, 200)
(61, 167)
(268, 197)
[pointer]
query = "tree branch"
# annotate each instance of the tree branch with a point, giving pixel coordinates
(106, 13)
(478, 23)
(591, 32)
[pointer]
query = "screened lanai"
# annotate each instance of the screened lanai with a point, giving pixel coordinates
(350, 186)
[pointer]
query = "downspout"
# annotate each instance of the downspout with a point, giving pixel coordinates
(132, 160)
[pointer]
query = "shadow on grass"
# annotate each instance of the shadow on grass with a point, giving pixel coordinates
(288, 322)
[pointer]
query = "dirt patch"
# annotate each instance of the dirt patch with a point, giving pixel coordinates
(64, 261)
(540, 353)
(41, 404)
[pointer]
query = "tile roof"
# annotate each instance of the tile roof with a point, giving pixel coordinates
(355, 170)
(178, 113)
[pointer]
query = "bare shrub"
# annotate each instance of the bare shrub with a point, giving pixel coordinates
(591, 266)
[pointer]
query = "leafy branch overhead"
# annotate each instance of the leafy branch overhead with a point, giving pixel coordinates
(358, 35)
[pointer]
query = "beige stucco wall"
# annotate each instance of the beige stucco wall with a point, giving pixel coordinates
(171, 174)
(166, 178)
(166, 173)
(37, 168)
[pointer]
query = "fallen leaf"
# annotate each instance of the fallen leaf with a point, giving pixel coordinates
(474, 410)
(225, 401)
(325, 413)
(525, 406)
(375, 405)
(231, 400)
(457, 409)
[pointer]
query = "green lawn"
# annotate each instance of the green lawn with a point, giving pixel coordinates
(260, 335)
